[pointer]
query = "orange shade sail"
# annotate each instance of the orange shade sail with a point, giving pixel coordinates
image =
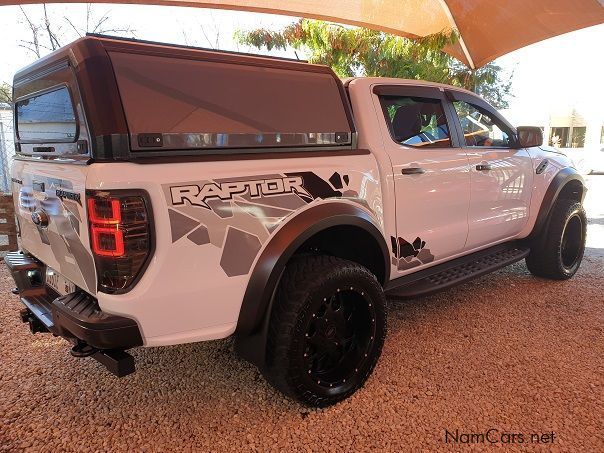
(487, 28)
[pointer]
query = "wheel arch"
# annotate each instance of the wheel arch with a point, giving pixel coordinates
(567, 183)
(327, 227)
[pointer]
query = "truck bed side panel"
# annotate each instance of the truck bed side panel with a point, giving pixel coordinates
(212, 219)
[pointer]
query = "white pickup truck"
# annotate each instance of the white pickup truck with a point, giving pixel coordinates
(169, 194)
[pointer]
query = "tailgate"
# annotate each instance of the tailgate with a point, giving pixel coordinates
(50, 207)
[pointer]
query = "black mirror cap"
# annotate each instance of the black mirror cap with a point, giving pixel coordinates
(529, 136)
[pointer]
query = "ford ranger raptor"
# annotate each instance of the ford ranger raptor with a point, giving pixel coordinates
(168, 194)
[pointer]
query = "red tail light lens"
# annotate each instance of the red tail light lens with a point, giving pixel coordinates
(106, 211)
(120, 237)
(107, 241)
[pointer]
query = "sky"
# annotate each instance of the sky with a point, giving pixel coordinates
(560, 73)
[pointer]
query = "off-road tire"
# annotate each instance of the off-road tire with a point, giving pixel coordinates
(558, 253)
(311, 285)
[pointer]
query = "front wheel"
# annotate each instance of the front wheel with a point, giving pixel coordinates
(326, 330)
(559, 253)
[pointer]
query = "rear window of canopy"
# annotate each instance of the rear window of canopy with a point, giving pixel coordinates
(47, 117)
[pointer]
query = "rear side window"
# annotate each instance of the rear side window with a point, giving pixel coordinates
(209, 104)
(416, 121)
(47, 117)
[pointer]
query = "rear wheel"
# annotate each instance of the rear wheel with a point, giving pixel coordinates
(559, 253)
(326, 331)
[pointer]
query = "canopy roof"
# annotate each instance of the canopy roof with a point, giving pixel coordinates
(487, 29)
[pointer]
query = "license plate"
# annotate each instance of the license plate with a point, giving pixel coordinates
(59, 283)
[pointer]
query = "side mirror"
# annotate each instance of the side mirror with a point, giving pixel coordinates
(529, 136)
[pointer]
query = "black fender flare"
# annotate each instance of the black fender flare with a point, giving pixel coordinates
(252, 325)
(558, 183)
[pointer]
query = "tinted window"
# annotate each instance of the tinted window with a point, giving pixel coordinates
(480, 128)
(234, 102)
(416, 121)
(47, 117)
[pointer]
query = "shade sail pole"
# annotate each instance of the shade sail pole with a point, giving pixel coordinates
(454, 26)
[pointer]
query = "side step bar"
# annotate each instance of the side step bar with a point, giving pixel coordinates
(456, 271)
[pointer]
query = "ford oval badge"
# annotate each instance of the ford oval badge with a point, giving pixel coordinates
(40, 218)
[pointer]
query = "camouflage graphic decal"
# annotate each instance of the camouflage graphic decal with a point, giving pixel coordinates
(238, 215)
(409, 255)
(57, 199)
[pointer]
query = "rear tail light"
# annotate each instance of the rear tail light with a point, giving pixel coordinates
(105, 211)
(107, 241)
(120, 237)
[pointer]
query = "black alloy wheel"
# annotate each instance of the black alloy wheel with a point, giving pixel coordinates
(572, 241)
(326, 330)
(557, 252)
(339, 337)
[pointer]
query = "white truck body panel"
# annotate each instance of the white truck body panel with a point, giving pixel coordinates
(186, 278)
(500, 199)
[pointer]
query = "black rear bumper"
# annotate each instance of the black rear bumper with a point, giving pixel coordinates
(76, 316)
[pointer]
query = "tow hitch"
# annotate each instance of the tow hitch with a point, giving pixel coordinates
(35, 326)
(76, 317)
(117, 362)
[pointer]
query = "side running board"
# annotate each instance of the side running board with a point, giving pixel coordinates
(456, 271)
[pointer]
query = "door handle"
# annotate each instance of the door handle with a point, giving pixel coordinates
(413, 171)
(484, 167)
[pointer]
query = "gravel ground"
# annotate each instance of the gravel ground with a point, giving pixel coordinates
(508, 352)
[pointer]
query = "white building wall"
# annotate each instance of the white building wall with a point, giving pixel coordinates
(7, 146)
(587, 114)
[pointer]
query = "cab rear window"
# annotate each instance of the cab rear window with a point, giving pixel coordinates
(416, 121)
(47, 117)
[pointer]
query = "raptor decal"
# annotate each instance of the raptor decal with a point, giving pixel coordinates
(238, 215)
(256, 188)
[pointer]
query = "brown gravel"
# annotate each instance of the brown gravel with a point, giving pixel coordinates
(508, 351)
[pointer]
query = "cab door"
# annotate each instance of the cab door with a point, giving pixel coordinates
(501, 173)
(431, 175)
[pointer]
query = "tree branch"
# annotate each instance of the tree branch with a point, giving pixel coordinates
(101, 21)
(206, 36)
(54, 42)
(34, 33)
(72, 26)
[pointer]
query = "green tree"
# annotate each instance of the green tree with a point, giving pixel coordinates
(353, 51)
(487, 81)
(6, 93)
